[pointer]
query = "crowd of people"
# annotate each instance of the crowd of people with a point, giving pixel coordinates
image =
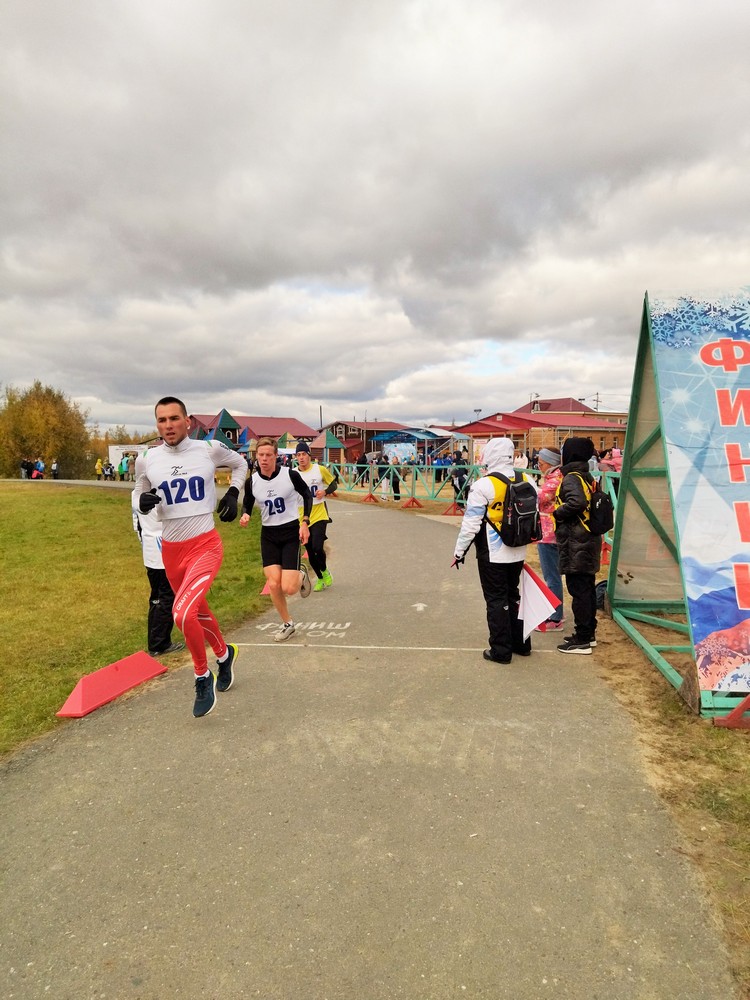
(36, 468)
(123, 472)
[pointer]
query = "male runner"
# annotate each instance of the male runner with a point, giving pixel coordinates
(277, 490)
(321, 482)
(179, 475)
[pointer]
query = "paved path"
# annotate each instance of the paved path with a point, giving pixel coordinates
(371, 812)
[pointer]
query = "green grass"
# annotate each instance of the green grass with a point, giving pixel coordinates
(76, 594)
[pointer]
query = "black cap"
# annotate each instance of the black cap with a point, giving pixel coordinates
(302, 446)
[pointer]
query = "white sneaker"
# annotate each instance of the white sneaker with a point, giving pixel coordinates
(305, 588)
(287, 629)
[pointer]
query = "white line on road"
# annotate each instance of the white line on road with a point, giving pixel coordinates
(290, 644)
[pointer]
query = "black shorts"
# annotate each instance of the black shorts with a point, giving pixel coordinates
(280, 546)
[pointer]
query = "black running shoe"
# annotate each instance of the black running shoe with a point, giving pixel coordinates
(489, 655)
(175, 647)
(573, 646)
(205, 695)
(572, 638)
(225, 675)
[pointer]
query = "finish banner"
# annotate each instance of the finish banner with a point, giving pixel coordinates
(701, 353)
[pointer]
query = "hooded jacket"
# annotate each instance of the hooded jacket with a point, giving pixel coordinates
(547, 490)
(498, 457)
(578, 550)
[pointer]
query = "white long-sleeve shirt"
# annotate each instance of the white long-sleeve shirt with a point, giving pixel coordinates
(183, 476)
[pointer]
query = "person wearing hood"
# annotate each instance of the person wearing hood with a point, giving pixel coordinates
(499, 565)
(579, 551)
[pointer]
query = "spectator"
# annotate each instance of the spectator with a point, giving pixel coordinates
(459, 474)
(98, 468)
(549, 464)
(605, 461)
(579, 550)
(382, 475)
(394, 474)
(160, 621)
(499, 565)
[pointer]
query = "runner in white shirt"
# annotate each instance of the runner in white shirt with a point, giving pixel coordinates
(278, 491)
(179, 475)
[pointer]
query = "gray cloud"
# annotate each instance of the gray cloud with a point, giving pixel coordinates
(416, 208)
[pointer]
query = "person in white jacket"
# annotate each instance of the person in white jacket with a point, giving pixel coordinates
(161, 599)
(499, 565)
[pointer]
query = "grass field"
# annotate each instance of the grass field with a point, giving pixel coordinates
(76, 594)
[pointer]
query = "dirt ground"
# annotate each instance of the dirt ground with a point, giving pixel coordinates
(701, 772)
(703, 775)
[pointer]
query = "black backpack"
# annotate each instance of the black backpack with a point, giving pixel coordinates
(521, 523)
(601, 512)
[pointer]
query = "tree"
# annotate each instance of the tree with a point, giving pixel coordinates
(41, 422)
(99, 443)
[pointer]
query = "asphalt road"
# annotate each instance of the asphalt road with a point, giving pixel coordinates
(372, 812)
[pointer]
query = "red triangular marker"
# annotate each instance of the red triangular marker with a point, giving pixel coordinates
(104, 685)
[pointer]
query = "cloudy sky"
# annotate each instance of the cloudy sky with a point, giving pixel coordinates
(408, 209)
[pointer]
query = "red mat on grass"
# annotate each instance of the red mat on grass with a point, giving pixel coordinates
(104, 685)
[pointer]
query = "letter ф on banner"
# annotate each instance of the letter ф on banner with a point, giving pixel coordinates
(726, 354)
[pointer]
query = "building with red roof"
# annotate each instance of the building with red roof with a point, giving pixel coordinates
(546, 423)
(242, 433)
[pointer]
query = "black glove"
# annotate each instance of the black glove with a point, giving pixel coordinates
(227, 508)
(458, 562)
(147, 501)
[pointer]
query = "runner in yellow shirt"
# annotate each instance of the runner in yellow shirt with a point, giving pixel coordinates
(321, 482)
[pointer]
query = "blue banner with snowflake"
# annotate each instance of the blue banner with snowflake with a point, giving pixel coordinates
(701, 351)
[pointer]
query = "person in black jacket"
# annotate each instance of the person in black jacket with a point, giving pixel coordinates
(578, 549)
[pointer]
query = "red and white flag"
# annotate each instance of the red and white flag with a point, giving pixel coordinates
(537, 601)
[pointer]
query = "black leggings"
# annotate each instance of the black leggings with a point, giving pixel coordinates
(160, 619)
(500, 586)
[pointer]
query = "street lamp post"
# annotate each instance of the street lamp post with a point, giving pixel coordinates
(477, 411)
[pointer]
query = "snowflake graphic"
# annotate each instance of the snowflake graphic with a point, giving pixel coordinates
(685, 321)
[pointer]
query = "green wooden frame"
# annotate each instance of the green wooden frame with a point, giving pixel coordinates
(670, 616)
